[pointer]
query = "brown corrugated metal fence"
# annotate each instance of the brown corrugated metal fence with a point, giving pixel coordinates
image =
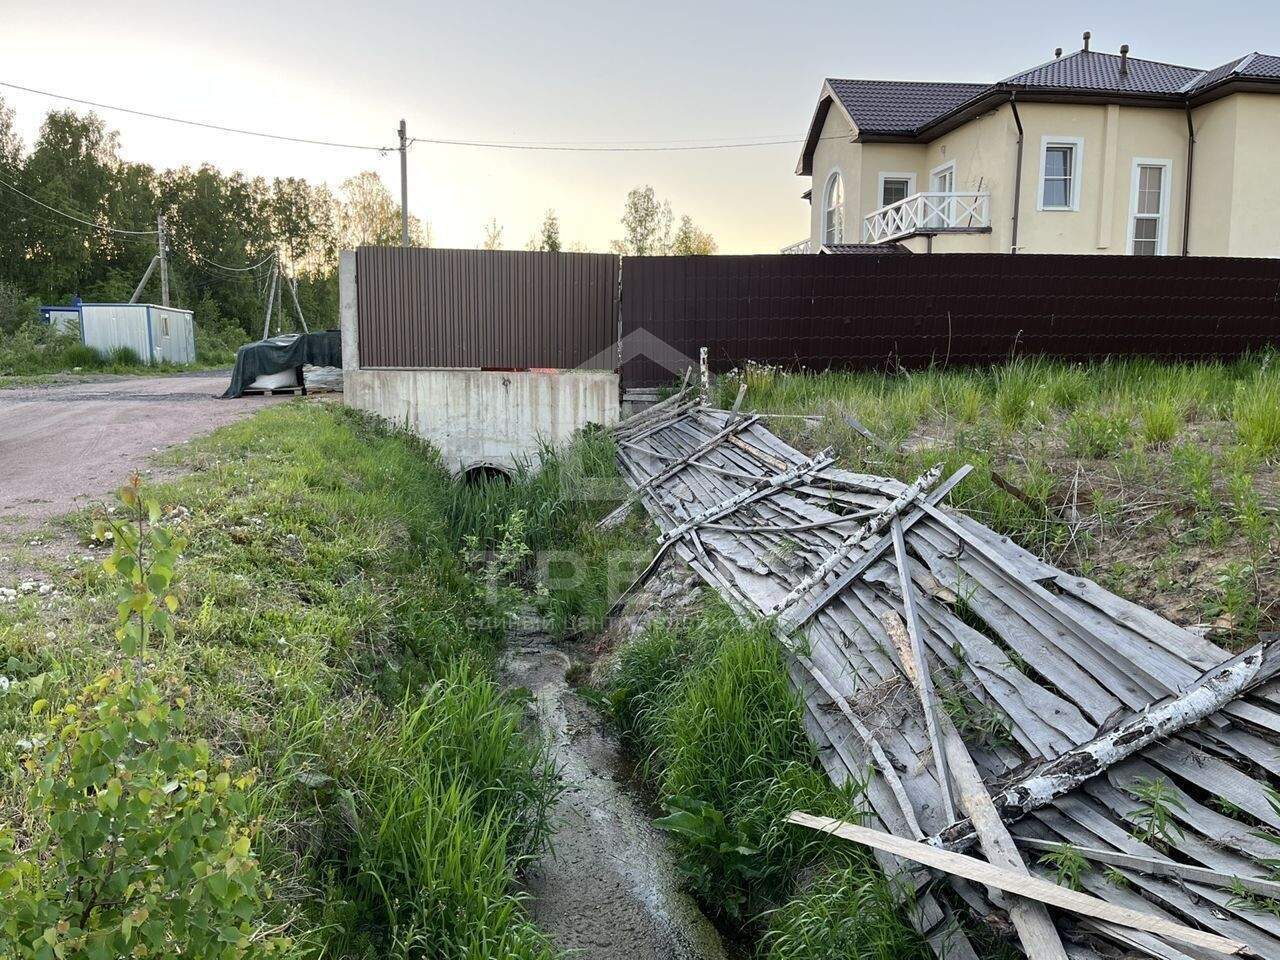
(825, 312)
(492, 309)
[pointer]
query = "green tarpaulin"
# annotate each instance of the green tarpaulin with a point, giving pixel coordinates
(290, 352)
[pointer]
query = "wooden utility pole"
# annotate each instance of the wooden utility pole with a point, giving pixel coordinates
(164, 261)
(404, 186)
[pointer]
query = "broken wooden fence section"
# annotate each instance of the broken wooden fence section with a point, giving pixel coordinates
(1028, 664)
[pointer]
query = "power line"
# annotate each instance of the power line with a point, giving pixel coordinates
(585, 148)
(199, 123)
(71, 216)
(214, 263)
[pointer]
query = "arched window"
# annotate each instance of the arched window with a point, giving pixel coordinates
(833, 210)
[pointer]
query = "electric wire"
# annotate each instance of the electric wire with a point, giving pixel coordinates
(71, 216)
(200, 123)
(585, 146)
(673, 147)
(214, 263)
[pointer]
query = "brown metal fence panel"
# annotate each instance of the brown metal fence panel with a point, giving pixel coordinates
(488, 309)
(830, 311)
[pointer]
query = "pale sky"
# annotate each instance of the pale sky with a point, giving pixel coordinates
(660, 71)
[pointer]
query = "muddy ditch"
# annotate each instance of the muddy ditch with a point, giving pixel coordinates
(609, 887)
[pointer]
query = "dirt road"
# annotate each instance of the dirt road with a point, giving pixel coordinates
(67, 445)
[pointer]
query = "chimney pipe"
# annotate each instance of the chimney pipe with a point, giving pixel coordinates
(1124, 59)
(1087, 34)
(1057, 52)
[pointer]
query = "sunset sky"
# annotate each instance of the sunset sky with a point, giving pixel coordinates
(604, 73)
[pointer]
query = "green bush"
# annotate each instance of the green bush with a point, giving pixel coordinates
(123, 356)
(141, 840)
(138, 843)
(16, 309)
(82, 356)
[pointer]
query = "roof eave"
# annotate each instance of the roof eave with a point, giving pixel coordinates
(1002, 93)
(804, 166)
(1233, 84)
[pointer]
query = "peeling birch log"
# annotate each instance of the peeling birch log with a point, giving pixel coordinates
(1030, 918)
(1159, 868)
(861, 536)
(1001, 878)
(1210, 693)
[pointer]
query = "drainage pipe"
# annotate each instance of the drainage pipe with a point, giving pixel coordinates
(1017, 172)
(1191, 159)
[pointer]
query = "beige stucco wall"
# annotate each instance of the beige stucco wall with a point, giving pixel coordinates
(1255, 194)
(836, 151)
(1234, 195)
(1213, 178)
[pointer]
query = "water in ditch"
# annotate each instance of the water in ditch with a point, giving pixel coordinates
(609, 889)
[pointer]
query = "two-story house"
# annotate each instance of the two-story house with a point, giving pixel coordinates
(1089, 153)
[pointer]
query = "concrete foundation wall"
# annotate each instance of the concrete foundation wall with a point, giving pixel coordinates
(487, 417)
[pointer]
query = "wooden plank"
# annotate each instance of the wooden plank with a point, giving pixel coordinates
(1030, 918)
(970, 868)
(1159, 868)
(917, 667)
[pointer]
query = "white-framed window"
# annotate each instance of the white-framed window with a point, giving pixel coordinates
(833, 209)
(1060, 164)
(1149, 206)
(895, 187)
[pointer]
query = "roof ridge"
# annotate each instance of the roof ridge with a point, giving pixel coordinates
(926, 83)
(1041, 66)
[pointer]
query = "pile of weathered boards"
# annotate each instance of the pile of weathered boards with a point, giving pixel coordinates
(997, 708)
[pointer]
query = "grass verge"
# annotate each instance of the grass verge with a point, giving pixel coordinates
(331, 654)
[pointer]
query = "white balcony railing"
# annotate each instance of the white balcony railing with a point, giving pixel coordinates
(804, 246)
(928, 213)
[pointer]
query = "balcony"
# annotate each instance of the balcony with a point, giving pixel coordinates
(804, 246)
(928, 213)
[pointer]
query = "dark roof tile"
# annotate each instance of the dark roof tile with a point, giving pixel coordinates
(1091, 70)
(893, 107)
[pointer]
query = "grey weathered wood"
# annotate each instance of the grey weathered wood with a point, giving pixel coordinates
(918, 667)
(1088, 653)
(1160, 721)
(1159, 868)
(801, 614)
(1036, 930)
(1019, 884)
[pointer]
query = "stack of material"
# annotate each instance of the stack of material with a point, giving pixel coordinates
(288, 354)
(1165, 743)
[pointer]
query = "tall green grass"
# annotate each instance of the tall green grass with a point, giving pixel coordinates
(708, 708)
(334, 638)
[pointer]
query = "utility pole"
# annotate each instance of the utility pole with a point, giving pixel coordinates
(404, 187)
(164, 261)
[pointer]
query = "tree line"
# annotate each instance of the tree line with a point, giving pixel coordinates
(218, 224)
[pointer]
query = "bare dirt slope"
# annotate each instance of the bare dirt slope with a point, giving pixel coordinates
(66, 445)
